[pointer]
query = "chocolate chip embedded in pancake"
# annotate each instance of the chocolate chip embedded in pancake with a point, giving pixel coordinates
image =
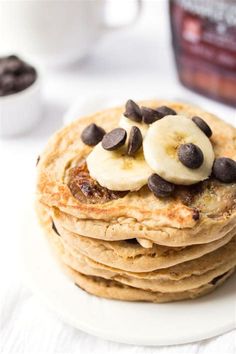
(132, 241)
(54, 228)
(85, 189)
(216, 279)
(37, 161)
(187, 194)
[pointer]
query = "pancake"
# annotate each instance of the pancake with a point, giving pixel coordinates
(132, 245)
(112, 232)
(174, 279)
(194, 215)
(130, 256)
(185, 276)
(179, 278)
(114, 290)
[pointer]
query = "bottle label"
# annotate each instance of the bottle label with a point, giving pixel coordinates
(215, 10)
(209, 31)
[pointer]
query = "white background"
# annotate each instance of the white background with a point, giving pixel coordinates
(133, 63)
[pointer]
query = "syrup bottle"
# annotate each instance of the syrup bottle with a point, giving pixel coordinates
(204, 42)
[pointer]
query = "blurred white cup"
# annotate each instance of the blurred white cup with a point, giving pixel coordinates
(56, 31)
(21, 111)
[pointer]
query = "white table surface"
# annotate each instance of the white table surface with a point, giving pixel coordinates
(135, 63)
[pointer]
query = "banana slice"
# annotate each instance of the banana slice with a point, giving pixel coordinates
(161, 145)
(127, 124)
(145, 243)
(117, 171)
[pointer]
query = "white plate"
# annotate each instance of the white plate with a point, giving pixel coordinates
(87, 105)
(134, 323)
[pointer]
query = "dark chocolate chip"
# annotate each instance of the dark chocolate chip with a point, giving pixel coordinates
(38, 159)
(1, 70)
(29, 69)
(149, 115)
(54, 228)
(132, 241)
(7, 82)
(114, 139)
(86, 189)
(190, 155)
(160, 187)
(92, 134)
(196, 215)
(13, 66)
(23, 81)
(165, 111)
(216, 279)
(202, 125)
(224, 169)
(15, 75)
(12, 56)
(135, 141)
(132, 111)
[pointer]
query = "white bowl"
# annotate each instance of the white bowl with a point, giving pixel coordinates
(20, 111)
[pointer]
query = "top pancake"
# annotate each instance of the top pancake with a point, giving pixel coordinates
(208, 208)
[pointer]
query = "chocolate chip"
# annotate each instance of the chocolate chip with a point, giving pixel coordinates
(15, 75)
(12, 56)
(38, 159)
(7, 82)
(196, 215)
(114, 139)
(54, 228)
(202, 125)
(224, 169)
(160, 187)
(23, 81)
(149, 115)
(135, 141)
(132, 111)
(165, 111)
(78, 286)
(92, 134)
(20, 83)
(132, 241)
(13, 66)
(190, 155)
(216, 279)
(29, 69)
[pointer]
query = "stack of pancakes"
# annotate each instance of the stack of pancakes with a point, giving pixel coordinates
(133, 245)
